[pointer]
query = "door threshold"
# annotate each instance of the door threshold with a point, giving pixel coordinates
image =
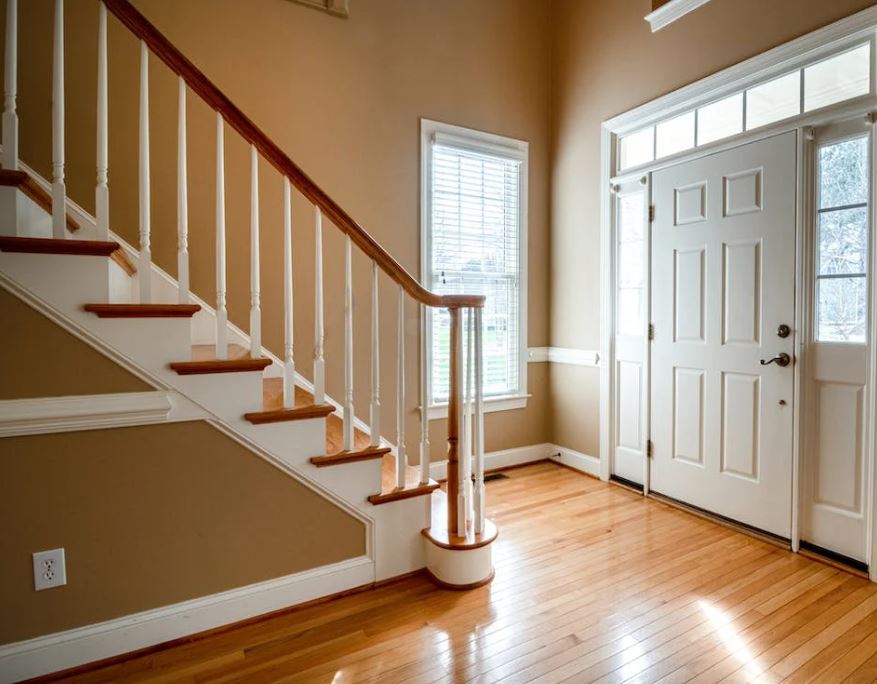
(835, 559)
(768, 537)
(629, 484)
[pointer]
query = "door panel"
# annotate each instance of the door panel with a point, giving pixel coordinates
(723, 274)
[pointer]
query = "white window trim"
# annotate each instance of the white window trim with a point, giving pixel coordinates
(818, 44)
(492, 144)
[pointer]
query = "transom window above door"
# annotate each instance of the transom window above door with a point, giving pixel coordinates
(474, 216)
(842, 76)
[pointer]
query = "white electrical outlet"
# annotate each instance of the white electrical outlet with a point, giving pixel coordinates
(49, 569)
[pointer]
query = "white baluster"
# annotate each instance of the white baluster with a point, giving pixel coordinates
(255, 294)
(375, 407)
(319, 363)
(182, 200)
(479, 427)
(288, 360)
(10, 90)
(144, 268)
(424, 398)
(221, 312)
(401, 457)
(59, 189)
(348, 345)
(461, 480)
(101, 191)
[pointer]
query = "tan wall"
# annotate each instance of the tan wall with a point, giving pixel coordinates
(150, 516)
(43, 360)
(606, 61)
(344, 98)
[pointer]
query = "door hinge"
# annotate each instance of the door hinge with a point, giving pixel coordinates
(649, 448)
(651, 331)
(651, 213)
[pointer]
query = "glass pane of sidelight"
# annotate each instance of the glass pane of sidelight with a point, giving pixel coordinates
(720, 119)
(841, 309)
(843, 241)
(839, 78)
(675, 135)
(638, 148)
(843, 173)
(773, 101)
(630, 311)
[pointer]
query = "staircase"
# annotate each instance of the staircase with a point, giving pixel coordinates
(54, 253)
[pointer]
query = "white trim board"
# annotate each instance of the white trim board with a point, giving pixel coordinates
(94, 412)
(528, 454)
(63, 650)
(669, 12)
(573, 357)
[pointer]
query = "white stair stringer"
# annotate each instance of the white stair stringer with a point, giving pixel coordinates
(64, 283)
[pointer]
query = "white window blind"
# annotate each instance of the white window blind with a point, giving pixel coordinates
(475, 246)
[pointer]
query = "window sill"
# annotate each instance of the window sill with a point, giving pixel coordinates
(491, 405)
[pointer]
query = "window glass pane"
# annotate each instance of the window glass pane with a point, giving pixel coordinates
(843, 241)
(773, 101)
(843, 173)
(675, 135)
(631, 216)
(637, 148)
(839, 78)
(841, 309)
(630, 264)
(720, 119)
(475, 249)
(630, 311)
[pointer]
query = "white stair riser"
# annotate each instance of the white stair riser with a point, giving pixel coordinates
(398, 539)
(22, 217)
(66, 281)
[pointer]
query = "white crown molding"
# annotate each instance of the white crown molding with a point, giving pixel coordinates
(573, 357)
(760, 68)
(54, 652)
(339, 8)
(86, 412)
(671, 11)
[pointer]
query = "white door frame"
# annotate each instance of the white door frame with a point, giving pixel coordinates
(771, 64)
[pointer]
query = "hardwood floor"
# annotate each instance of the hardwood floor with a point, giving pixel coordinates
(593, 583)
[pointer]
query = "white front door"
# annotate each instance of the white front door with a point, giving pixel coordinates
(723, 282)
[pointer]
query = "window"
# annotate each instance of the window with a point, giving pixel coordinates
(840, 77)
(474, 241)
(842, 240)
(720, 119)
(631, 262)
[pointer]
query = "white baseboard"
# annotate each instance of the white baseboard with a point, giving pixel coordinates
(528, 454)
(42, 655)
(575, 459)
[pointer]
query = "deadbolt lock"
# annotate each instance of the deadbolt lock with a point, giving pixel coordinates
(784, 331)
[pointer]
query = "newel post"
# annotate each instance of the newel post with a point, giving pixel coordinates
(456, 353)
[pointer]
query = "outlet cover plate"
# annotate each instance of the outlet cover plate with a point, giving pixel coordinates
(49, 569)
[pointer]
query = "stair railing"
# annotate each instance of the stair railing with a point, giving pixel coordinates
(465, 472)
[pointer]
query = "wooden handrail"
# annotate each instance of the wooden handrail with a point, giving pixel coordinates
(141, 27)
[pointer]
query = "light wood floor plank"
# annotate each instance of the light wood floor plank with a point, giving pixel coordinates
(593, 583)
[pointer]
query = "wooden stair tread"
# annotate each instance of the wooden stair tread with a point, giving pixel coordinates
(24, 182)
(341, 457)
(143, 310)
(273, 410)
(204, 361)
(437, 533)
(32, 245)
(412, 488)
